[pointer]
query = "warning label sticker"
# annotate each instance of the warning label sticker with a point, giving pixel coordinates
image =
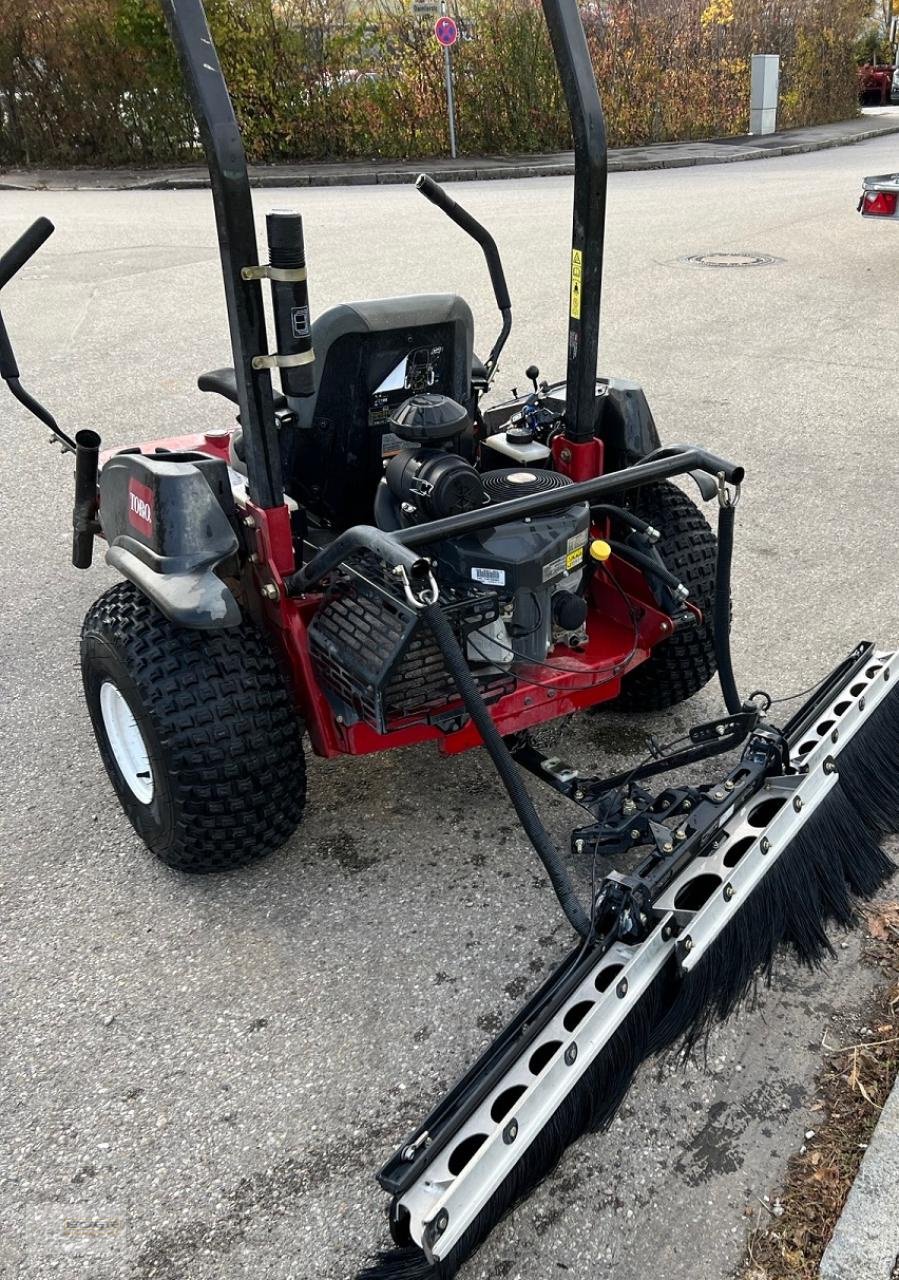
(578, 540)
(577, 259)
(574, 557)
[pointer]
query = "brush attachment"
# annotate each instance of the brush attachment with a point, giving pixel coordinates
(590, 1105)
(833, 860)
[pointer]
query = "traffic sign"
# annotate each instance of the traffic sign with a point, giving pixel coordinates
(446, 31)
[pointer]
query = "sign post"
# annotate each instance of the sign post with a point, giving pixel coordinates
(447, 32)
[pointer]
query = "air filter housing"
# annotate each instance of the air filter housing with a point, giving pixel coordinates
(429, 419)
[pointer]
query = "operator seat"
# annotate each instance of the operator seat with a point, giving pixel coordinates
(369, 357)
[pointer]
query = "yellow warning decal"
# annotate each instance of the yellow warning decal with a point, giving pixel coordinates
(574, 557)
(577, 258)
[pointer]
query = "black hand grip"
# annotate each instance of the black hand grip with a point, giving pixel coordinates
(28, 243)
(8, 367)
(462, 218)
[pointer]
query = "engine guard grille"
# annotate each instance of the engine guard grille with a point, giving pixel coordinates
(378, 664)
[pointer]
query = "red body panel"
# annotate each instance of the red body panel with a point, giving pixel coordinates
(625, 626)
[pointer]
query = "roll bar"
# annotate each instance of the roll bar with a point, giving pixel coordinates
(233, 206)
(588, 127)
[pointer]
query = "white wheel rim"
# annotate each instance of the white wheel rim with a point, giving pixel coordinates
(126, 742)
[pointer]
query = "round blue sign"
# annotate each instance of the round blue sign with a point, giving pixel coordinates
(447, 31)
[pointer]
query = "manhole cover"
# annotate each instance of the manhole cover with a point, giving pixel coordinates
(730, 260)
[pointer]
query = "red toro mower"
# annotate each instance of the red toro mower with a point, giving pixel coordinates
(374, 558)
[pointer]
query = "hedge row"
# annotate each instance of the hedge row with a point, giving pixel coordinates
(96, 81)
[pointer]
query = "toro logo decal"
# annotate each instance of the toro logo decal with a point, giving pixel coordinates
(140, 506)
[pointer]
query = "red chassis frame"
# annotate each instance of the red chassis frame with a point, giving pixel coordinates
(582, 679)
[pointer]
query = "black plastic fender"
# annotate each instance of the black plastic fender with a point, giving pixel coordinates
(167, 519)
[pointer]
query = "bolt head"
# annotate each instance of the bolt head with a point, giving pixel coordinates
(270, 591)
(728, 892)
(765, 844)
(621, 989)
(688, 944)
(441, 1222)
(797, 803)
(510, 1133)
(635, 833)
(680, 833)
(729, 785)
(664, 627)
(571, 1055)
(667, 847)
(835, 736)
(249, 522)
(861, 704)
(579, 846)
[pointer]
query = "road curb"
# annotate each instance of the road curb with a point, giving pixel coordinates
(628, 160)
(865, 1242)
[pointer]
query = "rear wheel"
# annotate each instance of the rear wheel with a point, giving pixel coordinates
(197, 731)
(683, 664)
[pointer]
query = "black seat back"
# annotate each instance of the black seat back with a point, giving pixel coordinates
(370, 356)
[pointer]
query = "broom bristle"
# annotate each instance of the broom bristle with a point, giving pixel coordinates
(874, 754)
(833, 859)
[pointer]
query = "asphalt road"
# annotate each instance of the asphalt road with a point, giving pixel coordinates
(221, 1064)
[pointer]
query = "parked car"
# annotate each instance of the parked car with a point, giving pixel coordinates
(880, 196)
(875, 82)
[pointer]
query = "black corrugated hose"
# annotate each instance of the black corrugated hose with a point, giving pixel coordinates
(721, 620)
(507, 769)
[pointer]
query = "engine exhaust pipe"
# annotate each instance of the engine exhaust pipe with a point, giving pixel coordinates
(84, 512)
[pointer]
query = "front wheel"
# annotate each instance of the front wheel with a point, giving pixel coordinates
(197, 730)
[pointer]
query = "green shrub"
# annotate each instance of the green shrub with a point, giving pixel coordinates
(97, 82)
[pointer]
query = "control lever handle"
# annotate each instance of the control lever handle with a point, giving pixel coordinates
(27, 244)
(462, 218)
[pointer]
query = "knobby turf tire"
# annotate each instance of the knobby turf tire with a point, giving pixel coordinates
(683, 664)
(219, 725)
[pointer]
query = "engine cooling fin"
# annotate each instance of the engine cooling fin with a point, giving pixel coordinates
(521, 482)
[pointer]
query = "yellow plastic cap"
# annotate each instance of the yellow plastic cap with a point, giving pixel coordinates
(599, 549)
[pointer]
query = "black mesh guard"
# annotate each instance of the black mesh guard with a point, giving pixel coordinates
(374, 660)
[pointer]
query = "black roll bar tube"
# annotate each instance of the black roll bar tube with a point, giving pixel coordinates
(392, 547)
(588, 128)
(232, 201)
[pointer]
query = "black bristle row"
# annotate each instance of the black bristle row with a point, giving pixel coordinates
(869, 767)
(833, 860)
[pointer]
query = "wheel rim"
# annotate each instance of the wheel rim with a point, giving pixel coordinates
(126, 742)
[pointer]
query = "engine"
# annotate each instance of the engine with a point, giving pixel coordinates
(533, 565)
(511, 591)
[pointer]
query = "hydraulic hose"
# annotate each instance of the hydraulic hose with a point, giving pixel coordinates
(642, 561)
(507, 769)
(721, 610)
